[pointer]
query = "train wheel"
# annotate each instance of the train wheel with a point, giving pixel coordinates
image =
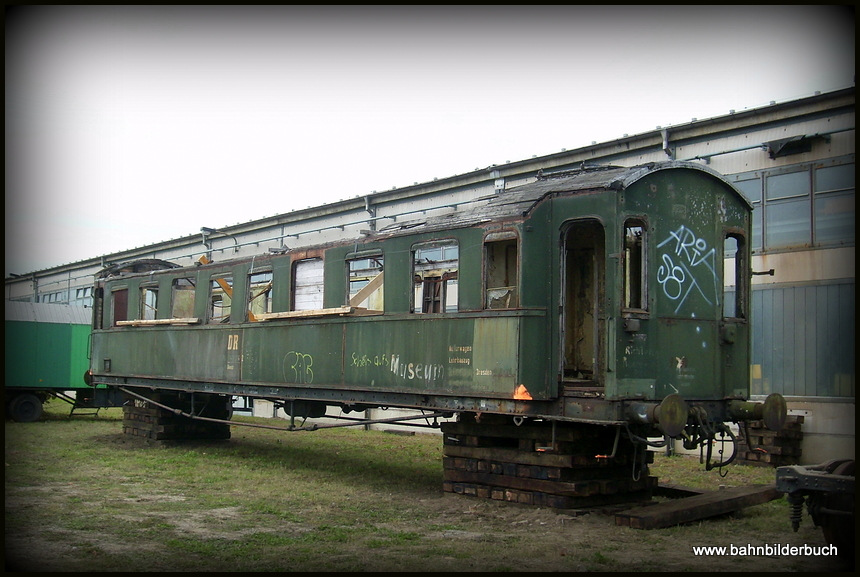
(25, 408)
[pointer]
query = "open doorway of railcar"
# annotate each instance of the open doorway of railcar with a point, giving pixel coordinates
(583, 311)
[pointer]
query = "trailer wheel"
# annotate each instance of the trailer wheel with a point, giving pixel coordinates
(25, 408)
(839, 530)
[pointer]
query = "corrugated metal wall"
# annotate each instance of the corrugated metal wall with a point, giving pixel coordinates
(803, 341)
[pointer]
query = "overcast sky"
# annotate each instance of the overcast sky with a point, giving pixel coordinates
(126, 126)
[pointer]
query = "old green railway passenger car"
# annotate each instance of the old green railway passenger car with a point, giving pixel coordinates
(611, 297)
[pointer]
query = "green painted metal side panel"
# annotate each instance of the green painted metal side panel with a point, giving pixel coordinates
(79, 362)
(434, 355)
(471, 269)
(444, 355)
(21, 354)
(193, 353)
(536, 359)
(538, 349)
(304, 353)
(46, 355)
(539, 258)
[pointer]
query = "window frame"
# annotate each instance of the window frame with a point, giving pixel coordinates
(144, 307)
(809, 227)
(268, 275)
(113, 319)
(742, 268)
(296, 287)
(441, 285)
(509, 291)
(175, 291)
(627, 300)
(375, 283)
(226, 293)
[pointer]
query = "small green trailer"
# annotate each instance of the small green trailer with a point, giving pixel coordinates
(47, 348)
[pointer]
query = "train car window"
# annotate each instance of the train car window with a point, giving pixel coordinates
(735, 268)
(634, 261)
(435, 270)
(220, 299)
(260, 286)
(148, 303)
(501, 269)
(182, 298)
(308, 284)
(366, 282)
(118, 306)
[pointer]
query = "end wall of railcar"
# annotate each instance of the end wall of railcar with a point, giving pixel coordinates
(691, 336)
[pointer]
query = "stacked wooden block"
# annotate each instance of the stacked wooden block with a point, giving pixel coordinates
(149, 421)
(771, 448)
(568, 467)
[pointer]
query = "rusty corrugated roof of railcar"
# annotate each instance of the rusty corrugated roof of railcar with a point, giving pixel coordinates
(134, 266)
(517, 202)
(527, 195)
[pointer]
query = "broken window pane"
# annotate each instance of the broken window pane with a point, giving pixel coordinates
(182, 306)
(148, 302)
(735, 267)
(435, 269)
(501, 268)
(220, 299)
(635, 284)
(260, 285)
(366, 282)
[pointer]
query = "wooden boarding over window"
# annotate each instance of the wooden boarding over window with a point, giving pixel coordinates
(369, 289)
(336, 311)
(154, 322)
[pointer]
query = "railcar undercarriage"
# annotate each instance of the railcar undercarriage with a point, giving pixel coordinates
(557, 462)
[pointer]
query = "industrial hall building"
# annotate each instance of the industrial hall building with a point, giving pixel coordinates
(793, 160)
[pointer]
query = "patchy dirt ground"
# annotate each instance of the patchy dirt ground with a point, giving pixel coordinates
(483, 536)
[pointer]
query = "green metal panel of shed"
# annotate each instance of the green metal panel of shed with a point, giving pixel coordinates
(46, 345)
